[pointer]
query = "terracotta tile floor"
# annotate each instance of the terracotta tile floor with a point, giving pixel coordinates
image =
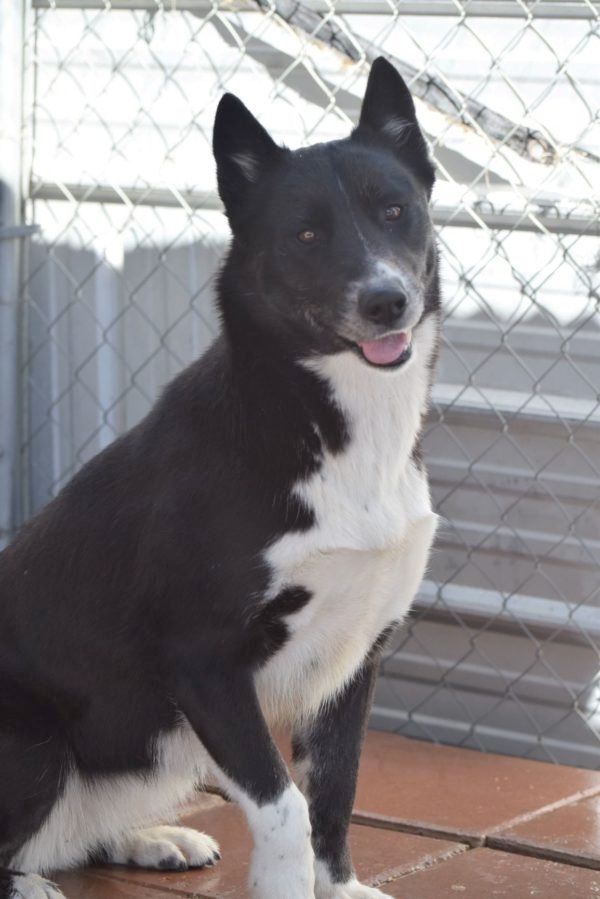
(431, 822)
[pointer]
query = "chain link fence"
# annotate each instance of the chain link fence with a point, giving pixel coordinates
(502, 651)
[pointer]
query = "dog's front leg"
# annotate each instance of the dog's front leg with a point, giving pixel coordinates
(326, 753)
(222, 707)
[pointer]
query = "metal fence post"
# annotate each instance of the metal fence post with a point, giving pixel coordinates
(11, 233)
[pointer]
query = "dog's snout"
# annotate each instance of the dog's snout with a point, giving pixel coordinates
(382, 307)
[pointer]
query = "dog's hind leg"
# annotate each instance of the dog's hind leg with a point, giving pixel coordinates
(31, 759)
(166, 847)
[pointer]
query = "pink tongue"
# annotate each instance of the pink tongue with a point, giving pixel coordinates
(385, 350)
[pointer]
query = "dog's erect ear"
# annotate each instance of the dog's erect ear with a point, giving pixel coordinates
(387, 101)
(243, 151)
(388, 115)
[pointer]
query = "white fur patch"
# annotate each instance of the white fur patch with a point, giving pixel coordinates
(366, 555)
(387, 271)
(398, 129)
(391, 274)
(97, 811)
(283, 860)
(248, 164)
(30, 886)
(325, 888)
(164, 847)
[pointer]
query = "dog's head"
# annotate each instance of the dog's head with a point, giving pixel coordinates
(333, 243)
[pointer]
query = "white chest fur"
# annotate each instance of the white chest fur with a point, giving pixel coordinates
(364, 558)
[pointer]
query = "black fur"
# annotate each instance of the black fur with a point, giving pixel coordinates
(331, 745)
(136, 595)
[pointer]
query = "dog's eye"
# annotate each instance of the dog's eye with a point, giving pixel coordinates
(306, 236)
(393, 213)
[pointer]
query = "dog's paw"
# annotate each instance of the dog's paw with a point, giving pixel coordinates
(166, 848)
(291, 883)
(350, 890)
(289, 876)
(32, 886)
(278, 870)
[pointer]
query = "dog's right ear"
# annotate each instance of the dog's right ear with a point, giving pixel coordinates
(243, 151)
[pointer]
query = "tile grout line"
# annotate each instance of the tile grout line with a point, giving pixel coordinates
(544, 810)
(490, 839)
(424, 866)
(473, 841)
(172, 891)
(498, 844)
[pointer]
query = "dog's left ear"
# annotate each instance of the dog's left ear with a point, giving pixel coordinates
(388, 116)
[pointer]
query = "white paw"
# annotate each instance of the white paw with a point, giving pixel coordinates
(353, 890)
(165, 847)
(288, 880)
(32, 886)
(359, 891)
(350, 890)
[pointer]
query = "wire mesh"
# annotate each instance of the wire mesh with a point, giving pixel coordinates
(502, 649)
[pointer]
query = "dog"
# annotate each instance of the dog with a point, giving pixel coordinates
(237, 560)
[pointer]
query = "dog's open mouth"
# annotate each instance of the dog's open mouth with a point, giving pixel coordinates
(391, 350)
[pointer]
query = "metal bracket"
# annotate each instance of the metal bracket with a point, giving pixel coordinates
(17, 232)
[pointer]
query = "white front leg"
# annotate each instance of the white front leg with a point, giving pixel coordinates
(221, 704)
(282, 864)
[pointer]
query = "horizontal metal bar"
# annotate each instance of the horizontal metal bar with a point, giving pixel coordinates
(196, 6)
(533, 221)
(471, 415)
(443, 216)
(496, 9)
(472, 675)
(539, 408)
(486, 9)
(466, 733)
(18, 231)
(134, 196)
(546, 615)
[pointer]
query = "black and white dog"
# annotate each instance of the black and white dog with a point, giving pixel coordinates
(237, 559)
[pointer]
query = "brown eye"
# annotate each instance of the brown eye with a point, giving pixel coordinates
(393, 213)
(306, 236)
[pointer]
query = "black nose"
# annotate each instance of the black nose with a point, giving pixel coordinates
(383, 307)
